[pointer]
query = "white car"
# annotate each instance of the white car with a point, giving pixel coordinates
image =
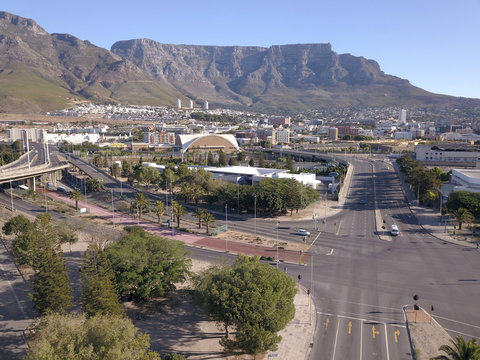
(303, 232)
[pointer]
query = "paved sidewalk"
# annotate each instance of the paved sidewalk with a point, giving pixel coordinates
(291, 256)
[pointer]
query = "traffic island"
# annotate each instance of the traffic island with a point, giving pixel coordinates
(425, 334)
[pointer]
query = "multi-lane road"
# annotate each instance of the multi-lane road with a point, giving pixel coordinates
(360, 287)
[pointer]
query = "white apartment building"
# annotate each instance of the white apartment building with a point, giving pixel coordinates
(280, 137)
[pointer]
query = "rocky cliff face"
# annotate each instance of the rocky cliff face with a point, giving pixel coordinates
(41, 71)
(301, 75)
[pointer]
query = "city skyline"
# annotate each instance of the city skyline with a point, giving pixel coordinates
(430, 44)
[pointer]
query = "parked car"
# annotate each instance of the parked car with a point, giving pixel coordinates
(361, 202)
(303, 232)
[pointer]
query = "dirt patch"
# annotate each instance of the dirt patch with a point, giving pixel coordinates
(426, 337)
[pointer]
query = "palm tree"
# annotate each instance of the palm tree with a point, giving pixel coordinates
(460, 350)
(178, 211)
(199, 215)
(462, 215)
(159, 210)
(95, 184)
(76, 195)
(141, 202)
(208, 219)
(196, 193)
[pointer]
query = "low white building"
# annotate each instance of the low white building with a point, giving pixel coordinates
(72, 138)
(447, 155)
(249, 175)
(466, 179)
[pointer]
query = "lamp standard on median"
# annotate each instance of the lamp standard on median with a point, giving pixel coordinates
(311, 283)
(255, 214)
(278, 223)
(226, 228)
(113, 210)
(11, 194)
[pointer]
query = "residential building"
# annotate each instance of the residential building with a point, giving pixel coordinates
(333, 133)
(280, 137)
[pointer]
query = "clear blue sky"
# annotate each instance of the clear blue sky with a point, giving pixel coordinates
(434, 44)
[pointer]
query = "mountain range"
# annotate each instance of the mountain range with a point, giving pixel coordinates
(40, 71)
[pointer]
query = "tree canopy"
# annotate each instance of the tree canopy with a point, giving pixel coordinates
(97, 337)
(99, 294)
(255, 298)
(147, 265)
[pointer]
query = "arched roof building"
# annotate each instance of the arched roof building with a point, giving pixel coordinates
(207, 142)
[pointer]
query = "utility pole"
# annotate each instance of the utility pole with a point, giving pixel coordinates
(11, 194)
(113, 210)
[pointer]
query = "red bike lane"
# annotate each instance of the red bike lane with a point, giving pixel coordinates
(221, 245)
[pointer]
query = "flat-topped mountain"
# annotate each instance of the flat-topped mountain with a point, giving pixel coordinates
(41, 71)
(283, 76)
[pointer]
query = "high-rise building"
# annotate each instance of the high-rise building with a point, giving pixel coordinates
(280, 137)
(402, 116)
(333, 133)
(179, 104)
(191, 104)
(205, 105)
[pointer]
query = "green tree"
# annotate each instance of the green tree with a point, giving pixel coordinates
(290, 163)
(76, 195)
(255, 298)
(233, 161)
(147, 265)
(51, 284)
(97, 337)
(462, 215)
(178, 211)
(221, 158)
(95, 184)
(116, 170)
(159, 209)
(99, 295)
(251, 162)
(200, 214)
(208, 219)
(241, 156)
(147, 175)
(17, 225)
(460, 350)
(210, 160)
(140, 203)
(261, 160)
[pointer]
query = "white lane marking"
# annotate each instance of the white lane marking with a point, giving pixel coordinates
(361, 339)
(361, 319)
(336, 337)
(330, 252)
(14, 294)
(369, 305)
(461, 333)
(386, 342)
(459, 322)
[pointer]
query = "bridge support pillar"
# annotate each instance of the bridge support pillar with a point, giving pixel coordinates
(31, 184)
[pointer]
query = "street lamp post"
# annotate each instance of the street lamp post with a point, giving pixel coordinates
(255, 214)
(11, 194)
(278, 223)
(113, 210)
(45, 196)
(226, 228)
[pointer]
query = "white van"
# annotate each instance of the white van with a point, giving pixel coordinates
(394, 230)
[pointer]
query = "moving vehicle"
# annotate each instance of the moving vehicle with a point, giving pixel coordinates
(61, 189)
(303, 232)
(362, 202)
(394, 230)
